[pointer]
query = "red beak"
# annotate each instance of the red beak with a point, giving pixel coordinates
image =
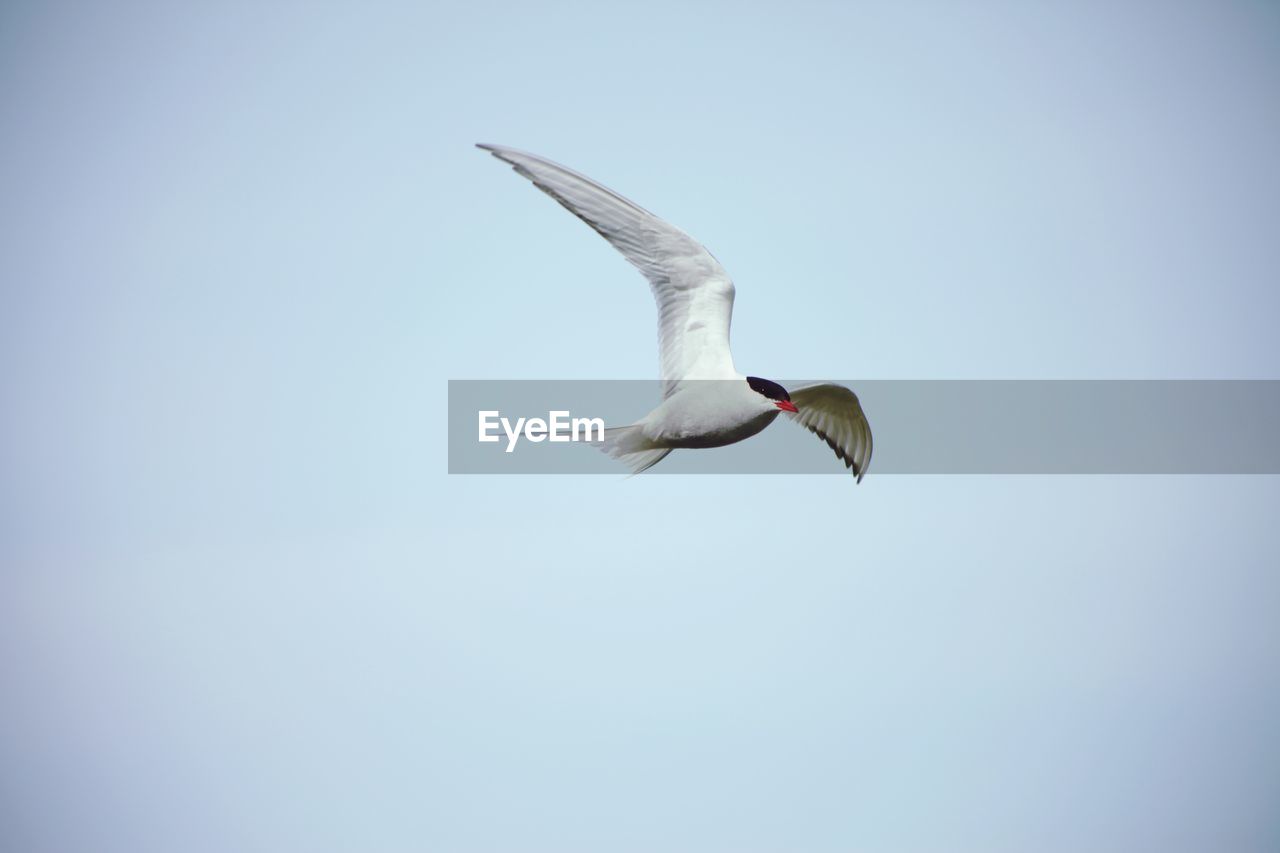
(786, 405)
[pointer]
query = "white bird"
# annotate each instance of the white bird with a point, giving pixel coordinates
(695, 306)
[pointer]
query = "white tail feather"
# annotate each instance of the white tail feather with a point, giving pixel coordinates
(629, 446)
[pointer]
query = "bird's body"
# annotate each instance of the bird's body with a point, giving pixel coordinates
(706, 401)
(704, 413)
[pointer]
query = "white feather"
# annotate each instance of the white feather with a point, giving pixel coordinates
(693, 292)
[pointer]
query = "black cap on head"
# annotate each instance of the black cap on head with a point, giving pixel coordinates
(772, 390)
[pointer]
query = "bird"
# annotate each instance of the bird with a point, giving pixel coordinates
(706, 401)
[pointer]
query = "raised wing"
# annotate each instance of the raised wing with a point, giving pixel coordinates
(833, 414)
(693, 292)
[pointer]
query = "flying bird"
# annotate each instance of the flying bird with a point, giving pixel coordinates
(695, 306)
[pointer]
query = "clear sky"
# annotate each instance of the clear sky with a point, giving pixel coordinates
(243, 607)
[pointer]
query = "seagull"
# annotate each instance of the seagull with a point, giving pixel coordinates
(695, 306)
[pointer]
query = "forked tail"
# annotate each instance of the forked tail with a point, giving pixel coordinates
(629, 446)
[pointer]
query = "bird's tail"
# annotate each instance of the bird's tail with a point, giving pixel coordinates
(630, 446)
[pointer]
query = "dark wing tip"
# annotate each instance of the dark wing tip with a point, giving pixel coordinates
(848, 460)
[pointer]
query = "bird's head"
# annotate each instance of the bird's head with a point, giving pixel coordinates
(773, 392)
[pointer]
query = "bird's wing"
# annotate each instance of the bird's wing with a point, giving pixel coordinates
(693, 292)
(833, 414)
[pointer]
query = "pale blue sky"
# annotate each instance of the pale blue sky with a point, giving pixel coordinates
(243, 607)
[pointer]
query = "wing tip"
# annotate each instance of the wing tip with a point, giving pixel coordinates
(502, 152)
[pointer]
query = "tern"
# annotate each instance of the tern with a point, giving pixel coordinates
(695, 306)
